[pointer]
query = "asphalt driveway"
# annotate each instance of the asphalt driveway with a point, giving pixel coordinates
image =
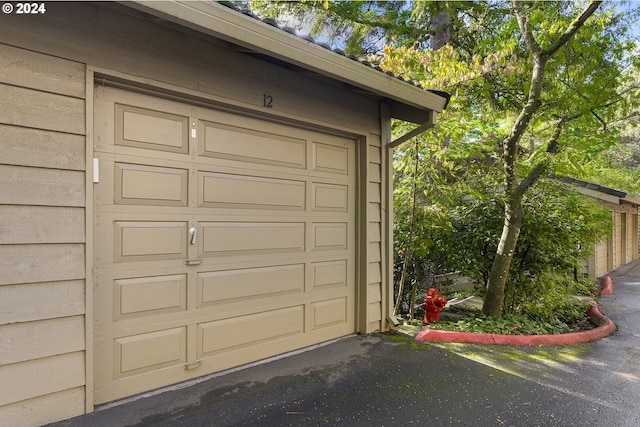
(387, 380)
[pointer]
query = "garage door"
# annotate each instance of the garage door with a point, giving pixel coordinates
(219, 240)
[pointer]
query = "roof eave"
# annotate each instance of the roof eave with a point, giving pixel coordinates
(631, 200)
(227, 24)
(600, 192)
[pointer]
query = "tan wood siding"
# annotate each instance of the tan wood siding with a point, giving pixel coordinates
(42, 236)
(34, 340)
(40, 148)
(375, 273)
(35, 301)
(634, 234)
(21, 185)
(44, 409)
(374, 235)
(627, 233)
(24, 68)
(621, 247)
(40, 263)
(601, 259)
(374, 295)
(41, 224)
(617, 240)
(374, 172)
(630, 241)
(374, 313)
(39, 377)
(41, 110)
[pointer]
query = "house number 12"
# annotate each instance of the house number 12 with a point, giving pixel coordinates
(267, 101)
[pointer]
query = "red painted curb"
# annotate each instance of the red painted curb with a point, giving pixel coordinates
(607, 288)
(605, 328)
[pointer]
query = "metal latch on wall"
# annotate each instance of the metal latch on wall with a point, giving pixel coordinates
(96, 170)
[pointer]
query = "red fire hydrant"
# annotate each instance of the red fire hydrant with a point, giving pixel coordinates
(433, 304)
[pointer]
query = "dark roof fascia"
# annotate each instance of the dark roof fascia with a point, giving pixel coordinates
(592, 186)
(619, 196)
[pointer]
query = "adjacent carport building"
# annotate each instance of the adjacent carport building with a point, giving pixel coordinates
(183, 189)
(621, 245)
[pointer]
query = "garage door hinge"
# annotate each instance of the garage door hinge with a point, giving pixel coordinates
(192, 365)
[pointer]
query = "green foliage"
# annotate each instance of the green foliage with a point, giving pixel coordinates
(557, 311)
(490, 84)
(569, 318)
(560, 228)
(444, 176)
(588, 106)
(459, 229)
(618, 166)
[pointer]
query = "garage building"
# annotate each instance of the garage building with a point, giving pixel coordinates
(183, 189)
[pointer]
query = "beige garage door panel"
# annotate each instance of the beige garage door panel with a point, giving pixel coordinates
(153, 130)
(242, 285)
(249, 330)
(329, 236)
(330, 158)
(330, 197)
(111, 380)
(219, 240)
(150, 351)
(242, 191)
(149, 296)
(149, 240)
(251, 145)
(330, 312)
(329, 274)
(150, 185)
(247, 238)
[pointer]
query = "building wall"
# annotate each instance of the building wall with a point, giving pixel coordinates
(374, 301)
(47, 73)
(632, 226)
(632, 240)
(601, 256)
(42, 237)
(596, 264)
(621, 247)
(625, 236)
(617, 239)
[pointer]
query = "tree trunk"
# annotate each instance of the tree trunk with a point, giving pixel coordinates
(494, 297)
(441, 33)
(412, 296)
(405, 262)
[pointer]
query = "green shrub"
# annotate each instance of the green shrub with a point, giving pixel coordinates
(560, 228)
(571, 318)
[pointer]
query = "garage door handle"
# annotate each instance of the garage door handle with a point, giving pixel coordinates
(193, 233)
